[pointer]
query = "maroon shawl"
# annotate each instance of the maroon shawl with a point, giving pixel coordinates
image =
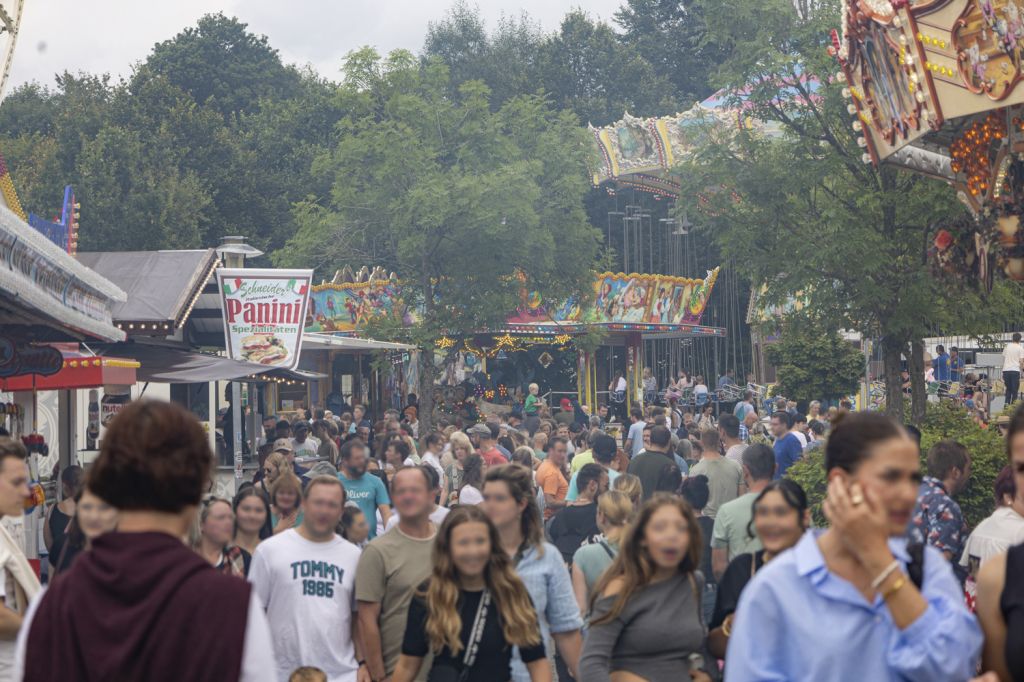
(139, 606)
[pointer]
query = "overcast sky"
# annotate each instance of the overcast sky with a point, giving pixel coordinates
(109, 36)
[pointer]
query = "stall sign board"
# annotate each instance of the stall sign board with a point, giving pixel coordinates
(264, 314)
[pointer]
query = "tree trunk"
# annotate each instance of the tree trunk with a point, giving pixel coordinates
(428, 372)
(918, 388)
(892, 352)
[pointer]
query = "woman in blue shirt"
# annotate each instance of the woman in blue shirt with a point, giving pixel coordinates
(843, 605)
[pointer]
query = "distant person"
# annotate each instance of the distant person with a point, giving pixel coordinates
(576, 524)
(732, 534)
(787, 446)
(634, 438)
(654, 467)
(1013, 360)
(938, 520)
(550, 476)
(725, 476)
(367, 491)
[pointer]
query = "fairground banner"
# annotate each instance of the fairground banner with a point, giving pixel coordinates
(619, 299)
(264, 314)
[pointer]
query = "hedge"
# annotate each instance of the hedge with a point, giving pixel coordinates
(943, 420)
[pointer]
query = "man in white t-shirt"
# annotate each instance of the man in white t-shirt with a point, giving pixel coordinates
(306, 578)
(433, 447)
(1013, 356)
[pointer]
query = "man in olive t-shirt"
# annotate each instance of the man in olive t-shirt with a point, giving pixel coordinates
(390, 569)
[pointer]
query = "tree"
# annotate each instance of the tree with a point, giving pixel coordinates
(466, 204)
(584, 66)
(673, 37)
(221, 65)
(814, 362)
(800, 209)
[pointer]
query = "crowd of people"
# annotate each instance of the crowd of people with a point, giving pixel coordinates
(521, 547)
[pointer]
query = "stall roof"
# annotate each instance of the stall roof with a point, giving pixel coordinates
(315, 341)
(162, 286)
(168, 365)
(40, 284)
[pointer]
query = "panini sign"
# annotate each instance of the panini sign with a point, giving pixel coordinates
(264, 314)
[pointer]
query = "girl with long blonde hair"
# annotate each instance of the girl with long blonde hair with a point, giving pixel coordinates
(472, 611)
(646, 620)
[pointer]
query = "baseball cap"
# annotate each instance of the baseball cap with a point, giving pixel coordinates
(282, 445)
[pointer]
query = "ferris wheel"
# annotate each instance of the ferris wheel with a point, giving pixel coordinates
(10, 21)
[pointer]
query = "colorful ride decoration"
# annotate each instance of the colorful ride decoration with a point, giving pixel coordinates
(634, 302)
(934, 86)
(63, 229)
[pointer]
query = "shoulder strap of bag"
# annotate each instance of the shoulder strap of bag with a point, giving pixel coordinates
(607, 548)
(476, 634)
(915, 569)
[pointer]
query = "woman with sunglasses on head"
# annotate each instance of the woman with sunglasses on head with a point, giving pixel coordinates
(472, 611)
(1000, 592)
(286, 503)
(274, 466)
(216, 523)
(780, 517)
(252, 519)
(856, 602)
(646, 621)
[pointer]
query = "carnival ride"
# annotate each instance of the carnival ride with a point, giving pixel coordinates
(934, 87)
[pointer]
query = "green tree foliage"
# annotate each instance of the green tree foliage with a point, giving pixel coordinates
(168, 159)
(814, 362)
(672, 36)
(585, 66)
(799, 207)
(460, 200)
(220, 64)
(944, 420)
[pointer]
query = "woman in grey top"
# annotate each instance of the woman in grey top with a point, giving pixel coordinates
(646, 617)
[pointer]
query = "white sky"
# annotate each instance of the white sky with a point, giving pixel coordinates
(109, 36)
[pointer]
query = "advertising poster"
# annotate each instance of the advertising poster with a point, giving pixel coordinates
(264, 314)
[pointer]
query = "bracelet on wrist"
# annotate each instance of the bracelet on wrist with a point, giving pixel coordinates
(881, 578)
(896, 587)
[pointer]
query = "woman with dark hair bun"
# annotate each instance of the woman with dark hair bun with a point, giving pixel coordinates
(140, 605)
(779, 518)
(856, 601)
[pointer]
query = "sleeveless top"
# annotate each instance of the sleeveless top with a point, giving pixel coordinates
(1012, 605)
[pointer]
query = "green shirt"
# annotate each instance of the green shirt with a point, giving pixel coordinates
(731, 527)
(593, 559)
(530, 406)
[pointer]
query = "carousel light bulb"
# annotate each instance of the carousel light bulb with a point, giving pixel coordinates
(861, 142)
(919, 96)
(841, 77)
(852, 108)
(865, 157)
(913, 78)
(896, 21)
(857, 126)
(908, 60)
(846, 93)
(903, 39)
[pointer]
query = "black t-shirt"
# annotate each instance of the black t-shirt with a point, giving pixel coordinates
(493, 657)
(735, 578)
(657, 473)
(573, 527)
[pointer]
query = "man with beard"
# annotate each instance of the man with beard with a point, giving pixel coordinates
(366, 491)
